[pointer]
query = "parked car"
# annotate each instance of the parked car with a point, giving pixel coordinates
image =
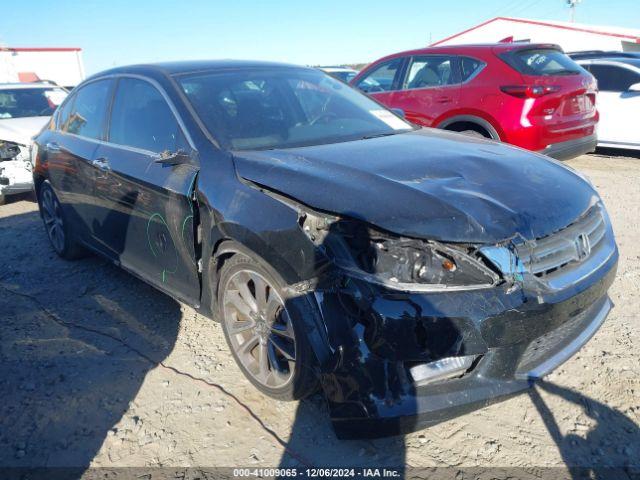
(593, 54)
(341, 73)
(24, 109)
(618, 99)
(529, 95)
(412, 273)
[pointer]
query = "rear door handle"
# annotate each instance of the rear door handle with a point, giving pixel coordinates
(52, 147)
(101, 163)
(443, 99)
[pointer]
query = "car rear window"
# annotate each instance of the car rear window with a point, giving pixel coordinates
(541, 61)
(30, 102)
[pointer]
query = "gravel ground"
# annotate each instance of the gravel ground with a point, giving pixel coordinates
(75, 395)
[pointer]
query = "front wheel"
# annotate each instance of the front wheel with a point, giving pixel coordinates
(264, 334)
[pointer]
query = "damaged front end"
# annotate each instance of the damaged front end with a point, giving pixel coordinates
(15, 169)
(421, 331)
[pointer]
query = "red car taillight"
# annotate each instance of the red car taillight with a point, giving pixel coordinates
(529, 91)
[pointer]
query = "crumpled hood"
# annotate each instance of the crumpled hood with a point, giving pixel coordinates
(20, 130)
(428, 184)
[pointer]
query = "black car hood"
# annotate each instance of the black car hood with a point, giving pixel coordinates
(428, 184)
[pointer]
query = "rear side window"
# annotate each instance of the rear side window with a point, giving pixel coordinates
(65, 113)
(431, 71)
(613, 79)
(541, 61)
(87, 114)
(382, 78)
(469, 67)
(141, 118)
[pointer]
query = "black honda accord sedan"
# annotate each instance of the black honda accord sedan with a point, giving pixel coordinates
(410, 274)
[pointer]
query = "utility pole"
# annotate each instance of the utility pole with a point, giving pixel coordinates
(572, 9)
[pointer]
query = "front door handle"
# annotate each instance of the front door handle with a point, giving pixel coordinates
(443, 99)
(52, 147)
(101, 163)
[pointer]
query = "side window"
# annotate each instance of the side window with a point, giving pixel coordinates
(469, 67)
(613, 79)
(381, 79)
(87, 114)
(141, 118)
(64, 114)
(430, 71)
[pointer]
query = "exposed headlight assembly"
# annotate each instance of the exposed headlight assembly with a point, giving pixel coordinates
(395, 262)
(8, 150)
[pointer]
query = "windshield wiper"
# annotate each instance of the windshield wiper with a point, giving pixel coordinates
(376, 135)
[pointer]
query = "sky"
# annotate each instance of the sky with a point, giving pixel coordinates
(320, 32)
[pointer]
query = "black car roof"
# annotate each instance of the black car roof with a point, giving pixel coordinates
(188, 66)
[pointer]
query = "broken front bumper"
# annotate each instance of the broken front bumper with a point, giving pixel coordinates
(15, 176)
(377, 336)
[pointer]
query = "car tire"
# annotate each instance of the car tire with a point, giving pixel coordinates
(264, 333)
(3, 199)
(56, 225)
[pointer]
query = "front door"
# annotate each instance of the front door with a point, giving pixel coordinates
(146, 208)
(382, 81)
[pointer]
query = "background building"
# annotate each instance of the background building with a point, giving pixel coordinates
(570, 36)
(61, 65)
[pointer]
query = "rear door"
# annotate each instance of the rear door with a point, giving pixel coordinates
(70, 151)
(618, 105)
(383, 81)
(146, 213)
(429, 89)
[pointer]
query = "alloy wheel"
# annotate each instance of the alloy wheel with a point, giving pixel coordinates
(259, 329)
(52, 216)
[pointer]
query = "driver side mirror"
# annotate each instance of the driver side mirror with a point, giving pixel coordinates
(634, 88)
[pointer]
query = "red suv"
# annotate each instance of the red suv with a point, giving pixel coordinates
(530, 95)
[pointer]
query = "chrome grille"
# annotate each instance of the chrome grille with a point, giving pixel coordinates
(572, 244)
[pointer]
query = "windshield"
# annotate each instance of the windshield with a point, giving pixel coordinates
(542, 61)
(280, 108)
(30, 102)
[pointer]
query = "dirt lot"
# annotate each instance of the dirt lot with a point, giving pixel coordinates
(74, 394)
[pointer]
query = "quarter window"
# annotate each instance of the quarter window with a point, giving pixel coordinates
(613, 79)
(86, 116)
(381, 79)
(468, 67)
(141, 118)
(431, 71)
(65, 113)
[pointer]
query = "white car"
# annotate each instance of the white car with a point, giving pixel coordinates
(24, 109)
(618, 100)
(341, 73)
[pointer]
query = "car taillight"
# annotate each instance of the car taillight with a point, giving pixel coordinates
(529, 91)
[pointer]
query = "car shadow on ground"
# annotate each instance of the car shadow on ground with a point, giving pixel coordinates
(610, 448)
(617, 152)
(312, 443)
(67, 377)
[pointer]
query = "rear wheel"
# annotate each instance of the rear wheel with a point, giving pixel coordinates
(58, 230)
(265, 336)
